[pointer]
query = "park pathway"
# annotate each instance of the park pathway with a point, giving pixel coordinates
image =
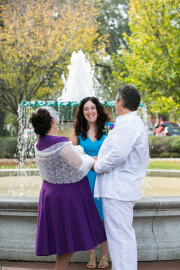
(163, 265)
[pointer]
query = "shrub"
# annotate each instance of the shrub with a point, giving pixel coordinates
(8, 147)
(164, 146)
(159, 146)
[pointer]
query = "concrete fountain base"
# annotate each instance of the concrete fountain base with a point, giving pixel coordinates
(156, 223)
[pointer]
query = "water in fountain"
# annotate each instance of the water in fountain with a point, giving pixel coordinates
(147, 182)
(22, 182)
(81, 81)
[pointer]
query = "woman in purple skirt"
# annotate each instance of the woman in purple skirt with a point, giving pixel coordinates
(68, 220)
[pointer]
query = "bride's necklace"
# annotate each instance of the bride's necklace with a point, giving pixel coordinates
(50, 135)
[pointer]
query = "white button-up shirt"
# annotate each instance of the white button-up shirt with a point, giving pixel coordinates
(123, 160)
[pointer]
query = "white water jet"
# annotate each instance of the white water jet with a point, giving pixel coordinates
(81, 81)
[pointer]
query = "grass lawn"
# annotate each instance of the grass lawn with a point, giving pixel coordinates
(164, 165)
(157, 165)
(3, 167)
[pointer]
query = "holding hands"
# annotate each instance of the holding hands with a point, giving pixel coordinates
(92, 168)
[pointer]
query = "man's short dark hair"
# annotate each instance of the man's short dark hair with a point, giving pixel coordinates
(131, 97)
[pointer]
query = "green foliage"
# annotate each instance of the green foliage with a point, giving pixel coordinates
(106, 130)
(160, 146)
(153, 61)
(108, 86)
(164, 146)
(24, 166)
(11, 119)
(8, 146)
(37, 43)
(1, 21)
(6, 133)
(113, 19)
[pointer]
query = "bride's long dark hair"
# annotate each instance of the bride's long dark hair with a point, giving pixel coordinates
(81, 124)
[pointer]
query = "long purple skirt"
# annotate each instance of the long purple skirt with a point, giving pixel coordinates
(68, 220)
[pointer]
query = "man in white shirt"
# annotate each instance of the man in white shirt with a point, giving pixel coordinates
(122, 162)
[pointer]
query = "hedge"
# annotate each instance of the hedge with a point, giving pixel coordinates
(164, 146)
(160, 146)
(8, 146)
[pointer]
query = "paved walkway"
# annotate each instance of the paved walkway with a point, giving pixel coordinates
(165, 265)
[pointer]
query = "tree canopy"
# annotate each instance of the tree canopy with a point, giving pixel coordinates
(37, 42)
(113, 19)
(1, 22)
(153, 61)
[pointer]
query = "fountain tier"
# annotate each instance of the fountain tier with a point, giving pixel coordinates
(67, 109)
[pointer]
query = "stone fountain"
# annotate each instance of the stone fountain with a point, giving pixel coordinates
(156, 219)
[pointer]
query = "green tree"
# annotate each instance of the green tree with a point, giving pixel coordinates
(1, 22)
(113, 19)
(37, 42)
(153, 61)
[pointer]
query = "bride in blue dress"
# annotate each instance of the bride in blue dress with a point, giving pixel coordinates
(91, 120)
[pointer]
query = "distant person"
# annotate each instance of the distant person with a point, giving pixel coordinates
(91, 120)
(68, 220)
(122, 162)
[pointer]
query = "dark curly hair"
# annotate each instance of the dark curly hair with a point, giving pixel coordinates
(41, 122)
(81, 125)
(131, 97)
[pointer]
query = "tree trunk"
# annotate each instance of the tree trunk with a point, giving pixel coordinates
(164, 117)
(2, 117)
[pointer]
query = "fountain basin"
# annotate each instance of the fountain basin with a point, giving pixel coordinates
(156, 223)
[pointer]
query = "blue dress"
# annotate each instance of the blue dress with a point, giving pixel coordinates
(92, 149)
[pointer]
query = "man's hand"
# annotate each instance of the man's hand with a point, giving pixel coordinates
(95, 158)
(92, 168)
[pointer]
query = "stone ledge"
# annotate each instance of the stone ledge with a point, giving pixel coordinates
(163, 173)
(152, 203)
(156, 223)
(14, 203)
(19, 172)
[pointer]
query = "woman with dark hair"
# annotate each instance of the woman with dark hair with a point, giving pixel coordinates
(92, 119)
(68, 220)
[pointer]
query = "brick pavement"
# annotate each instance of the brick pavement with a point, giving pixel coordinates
(163, 265)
